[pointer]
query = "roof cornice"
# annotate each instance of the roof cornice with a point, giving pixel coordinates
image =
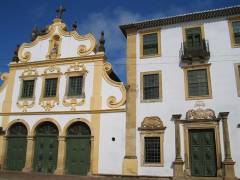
(202, 15)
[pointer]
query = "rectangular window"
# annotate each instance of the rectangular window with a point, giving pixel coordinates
(150, 86)
(27, 88)
(75, 86)
(152, 150)
(236, 32)
(193, 37)
(150, 44)
(198, 82)
(237, 75)
(50, 87)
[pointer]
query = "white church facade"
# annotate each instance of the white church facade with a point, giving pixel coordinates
(64, 110)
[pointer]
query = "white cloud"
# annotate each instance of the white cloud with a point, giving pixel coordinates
(109, 21)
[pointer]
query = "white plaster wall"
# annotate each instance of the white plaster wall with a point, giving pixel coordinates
(109, 90)
(111, 153)
(62, 88)
(223, 81)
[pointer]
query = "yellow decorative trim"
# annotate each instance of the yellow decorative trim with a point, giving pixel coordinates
(160, 87)
(97, 111)
(231, 34)
(96, 103)
(7, 102)
(196, 67)
(112, 101)
(237, 75)
(25, 104)
(57, 24)
(76, 69)
(152, 127)
(73, 102)
(55, 122)
(4, 78)
(49, 102)
(62, 61)
(18, 121)
(152, 31)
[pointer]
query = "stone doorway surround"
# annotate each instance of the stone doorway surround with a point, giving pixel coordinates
(201, 118)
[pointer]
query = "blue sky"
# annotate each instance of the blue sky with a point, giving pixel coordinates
(18, 17)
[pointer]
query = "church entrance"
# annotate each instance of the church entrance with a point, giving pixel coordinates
(46, 148)
(78, 143)
(202, 152)
(16, 148)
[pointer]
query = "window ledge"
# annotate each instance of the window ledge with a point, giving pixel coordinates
(198, 97)
(150, 56)
(152, 165)
(150, 100)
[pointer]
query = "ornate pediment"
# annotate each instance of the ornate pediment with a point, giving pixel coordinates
(200, 112)
(57, 43)
(152, 123)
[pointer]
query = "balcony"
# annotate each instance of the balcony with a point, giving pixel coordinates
(199, 52)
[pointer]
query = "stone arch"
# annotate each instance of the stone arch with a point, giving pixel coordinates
(64, 132)
(18, 121)
(46, 120)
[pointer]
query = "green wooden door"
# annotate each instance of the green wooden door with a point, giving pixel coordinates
(78, 149)
(202, 152)
(16, 148)
(46, 149)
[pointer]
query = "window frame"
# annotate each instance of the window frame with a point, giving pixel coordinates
(197, 67)
(184, 32)
(152, 127)
(142, 86)
(158, 31)
(237, 75)
(74, 74)
(26, 78)
(50, 76)
(231, 34)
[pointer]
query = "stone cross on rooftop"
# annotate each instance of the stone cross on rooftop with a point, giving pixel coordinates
(60, 12)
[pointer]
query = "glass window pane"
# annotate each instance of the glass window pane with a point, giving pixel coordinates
(50, 87)
(198, 82)
(151, 86)
(27, 89)
(75, 86)
(152, 150)
(150, 44)
(236, 31)
(193, 37)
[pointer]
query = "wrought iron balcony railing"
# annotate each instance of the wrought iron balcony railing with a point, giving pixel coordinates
(198, 52)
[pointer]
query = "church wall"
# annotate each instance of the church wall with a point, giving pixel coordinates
(111, 153)
(224, 90)
(62, 89)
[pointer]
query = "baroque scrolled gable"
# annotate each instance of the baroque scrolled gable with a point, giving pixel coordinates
(57, 43)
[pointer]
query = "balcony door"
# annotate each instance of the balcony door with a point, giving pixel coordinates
(193, 37)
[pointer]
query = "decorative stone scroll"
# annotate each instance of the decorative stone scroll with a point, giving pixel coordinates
(77, 67)
(152, 123)
(29, 72)
(53, 69)
(25, 104)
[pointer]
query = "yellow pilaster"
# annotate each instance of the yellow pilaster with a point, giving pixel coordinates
(130, 163)
(6, 108)
(96, 103)
(29, 155)
(61, 155)
(3, 141)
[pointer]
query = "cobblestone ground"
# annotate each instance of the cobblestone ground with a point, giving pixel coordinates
(6, 175)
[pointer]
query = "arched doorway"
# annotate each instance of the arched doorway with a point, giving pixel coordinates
(78, 149)
(46, 148)
(16, 148)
